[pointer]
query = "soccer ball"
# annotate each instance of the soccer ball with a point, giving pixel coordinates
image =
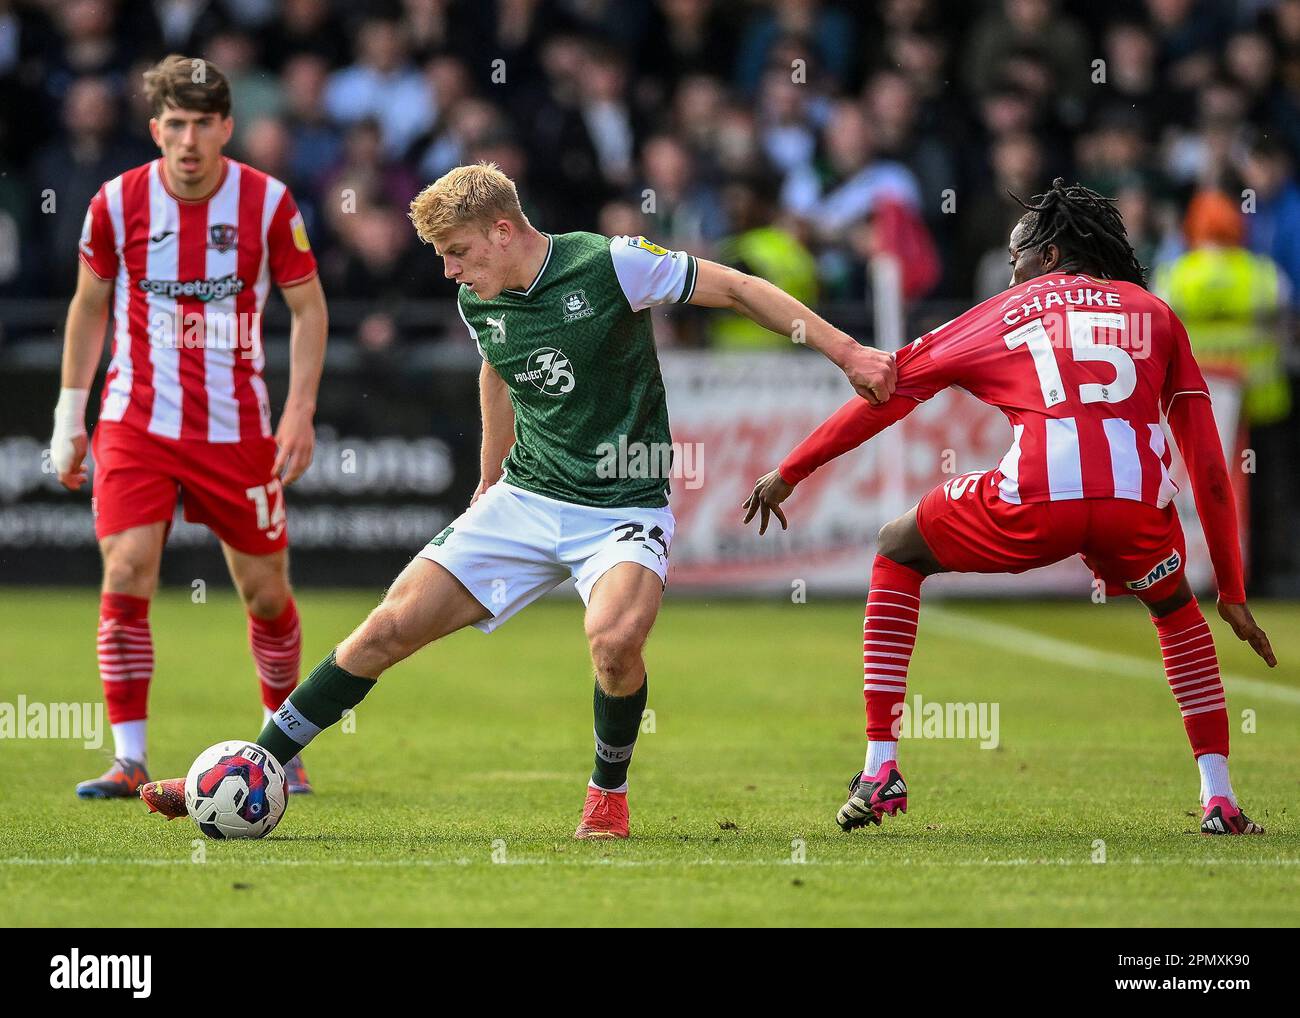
(235, 790)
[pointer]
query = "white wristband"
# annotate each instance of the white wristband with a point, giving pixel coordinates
(69, 423)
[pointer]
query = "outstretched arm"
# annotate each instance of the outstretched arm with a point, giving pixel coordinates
(1191, 418)
(871, 372)
(851, 425)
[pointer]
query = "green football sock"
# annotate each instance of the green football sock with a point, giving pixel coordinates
(618, 719)
(311, 708)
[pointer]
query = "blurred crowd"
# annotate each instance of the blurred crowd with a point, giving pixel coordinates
(793, 138)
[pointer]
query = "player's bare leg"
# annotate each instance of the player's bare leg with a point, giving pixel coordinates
(903, 560)
(131, 560)
(900, 541)
(1192, 667)
(622, 610)
(425, 603)
(262, 581)
(274, 635)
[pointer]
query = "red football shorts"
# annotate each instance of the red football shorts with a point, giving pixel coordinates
(227, 487)
(1133, 547)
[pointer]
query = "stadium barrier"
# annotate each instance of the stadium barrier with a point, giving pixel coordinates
(742, 413)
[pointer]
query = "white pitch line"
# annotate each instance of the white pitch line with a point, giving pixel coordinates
(644, 863)
(1014, 639)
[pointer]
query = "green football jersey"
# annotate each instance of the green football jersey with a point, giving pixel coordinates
(577, 351)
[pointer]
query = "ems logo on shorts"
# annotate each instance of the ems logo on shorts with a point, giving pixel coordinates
(549, 370)
(1168, 567)
(576, 306)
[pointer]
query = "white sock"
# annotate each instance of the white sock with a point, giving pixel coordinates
(129, 740)
(267, 714)
(1214, 777)
(879, 754)
(620, 788)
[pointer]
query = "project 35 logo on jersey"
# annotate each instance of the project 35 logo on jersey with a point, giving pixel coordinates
(1168, 567)
(549, 370)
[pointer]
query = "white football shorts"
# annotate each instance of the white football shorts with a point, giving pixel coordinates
(512, 546)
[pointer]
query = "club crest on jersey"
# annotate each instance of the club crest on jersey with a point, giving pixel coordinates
(576, 306)
(1168, 567)
(222, 236)
(549, 370)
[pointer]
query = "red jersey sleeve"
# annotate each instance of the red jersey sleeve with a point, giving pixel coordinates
(923, 370)
(1192, 422)
(97, 247)
(926, 366)
(847, 428)
(1183, 375)
(288, 248)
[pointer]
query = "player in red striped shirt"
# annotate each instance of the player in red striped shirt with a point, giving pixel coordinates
(184, 251)
(1082, 360)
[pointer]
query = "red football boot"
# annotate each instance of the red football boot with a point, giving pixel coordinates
(604, 816)
(165, 797)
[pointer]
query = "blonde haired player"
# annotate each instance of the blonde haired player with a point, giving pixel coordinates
(184, 251)
(562, 322)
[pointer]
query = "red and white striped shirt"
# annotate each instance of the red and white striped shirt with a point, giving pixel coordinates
(1081, 367)
(190, 281)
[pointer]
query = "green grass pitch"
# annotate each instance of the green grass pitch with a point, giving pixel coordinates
(454, 800)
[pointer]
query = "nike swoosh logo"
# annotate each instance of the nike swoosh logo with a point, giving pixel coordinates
(158, 238)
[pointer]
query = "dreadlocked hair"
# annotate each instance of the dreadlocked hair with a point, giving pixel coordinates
(1086, 227)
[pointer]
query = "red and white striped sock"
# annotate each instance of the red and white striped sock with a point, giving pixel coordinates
(277, 653)
(1192, 667)
(125, 649)
(888, 636)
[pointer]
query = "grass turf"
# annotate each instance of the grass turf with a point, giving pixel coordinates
(454, 800)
